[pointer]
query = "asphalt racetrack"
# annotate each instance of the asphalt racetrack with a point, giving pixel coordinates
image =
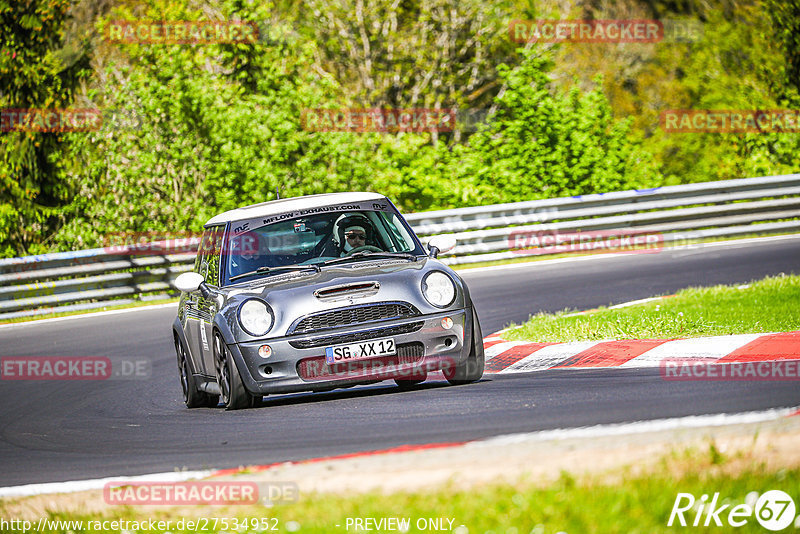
(54, 431)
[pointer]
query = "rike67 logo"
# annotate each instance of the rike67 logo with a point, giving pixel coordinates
(774, 510)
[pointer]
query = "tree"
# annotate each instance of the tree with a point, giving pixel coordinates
(413, 54)
(543, 145)
(37, 71)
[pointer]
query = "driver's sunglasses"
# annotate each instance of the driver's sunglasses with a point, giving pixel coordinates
(355, 235)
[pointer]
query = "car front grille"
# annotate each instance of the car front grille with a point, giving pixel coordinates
(352, 315)
(353, 337)
(317, 369)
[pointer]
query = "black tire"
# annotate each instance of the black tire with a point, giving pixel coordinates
(471, 369)
(192, 397)
(234, 394)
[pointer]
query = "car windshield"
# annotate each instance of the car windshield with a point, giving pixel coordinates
(316, 239)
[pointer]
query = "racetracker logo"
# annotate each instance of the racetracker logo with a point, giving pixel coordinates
(379, 120)
(74, 368)
(730, 121)
(552, 242)
(383, 368)
(68, 120)
(50, 120)
(165, 244)
(181, 32)
(586, 31)
(688, 369)
(200, 493)
(150, 243)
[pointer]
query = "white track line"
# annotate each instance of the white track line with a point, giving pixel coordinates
(640, 427)
(98, 483)
(635, 302)
(92, 314)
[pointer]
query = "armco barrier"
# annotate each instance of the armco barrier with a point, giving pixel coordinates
(87, 279)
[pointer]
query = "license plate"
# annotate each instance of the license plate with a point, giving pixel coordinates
(358, 351)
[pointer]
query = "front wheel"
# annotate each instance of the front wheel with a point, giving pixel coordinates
(470, 370)
(192, 397)
(234, 394)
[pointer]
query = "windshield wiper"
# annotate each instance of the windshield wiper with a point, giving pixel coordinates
(371, 255)
(269, 270)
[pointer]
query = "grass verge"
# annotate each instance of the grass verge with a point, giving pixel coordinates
(768, 305)
(619, 502)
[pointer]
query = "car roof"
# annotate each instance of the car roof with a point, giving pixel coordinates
(274, 207)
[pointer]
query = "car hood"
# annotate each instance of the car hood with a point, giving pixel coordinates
(298, 294)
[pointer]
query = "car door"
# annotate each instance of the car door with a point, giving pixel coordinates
(208, 307)
(200, 310)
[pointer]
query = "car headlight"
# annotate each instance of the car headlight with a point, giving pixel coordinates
(255, 317)
(438, 289)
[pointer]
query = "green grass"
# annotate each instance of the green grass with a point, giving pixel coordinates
(623, 503)
(769, 305)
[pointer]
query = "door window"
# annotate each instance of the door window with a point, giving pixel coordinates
(208, 255)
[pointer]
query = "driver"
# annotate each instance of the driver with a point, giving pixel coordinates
(354, 236)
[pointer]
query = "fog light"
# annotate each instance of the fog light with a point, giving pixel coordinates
(447, 323)
(265, 351)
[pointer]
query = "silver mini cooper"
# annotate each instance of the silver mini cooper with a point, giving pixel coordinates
(316, 293)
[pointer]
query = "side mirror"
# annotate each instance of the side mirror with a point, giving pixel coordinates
(441, 244)
(191, 281)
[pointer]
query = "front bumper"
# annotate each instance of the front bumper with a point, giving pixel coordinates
(423, 344)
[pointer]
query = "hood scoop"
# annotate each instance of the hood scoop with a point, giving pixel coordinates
(347, 291)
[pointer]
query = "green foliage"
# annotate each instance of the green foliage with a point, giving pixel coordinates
(539, 144)
(192, 130)
(218, 127)
(729, 68)
(736, 59)
(34, 73)
(412, 54)
(784, 35)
